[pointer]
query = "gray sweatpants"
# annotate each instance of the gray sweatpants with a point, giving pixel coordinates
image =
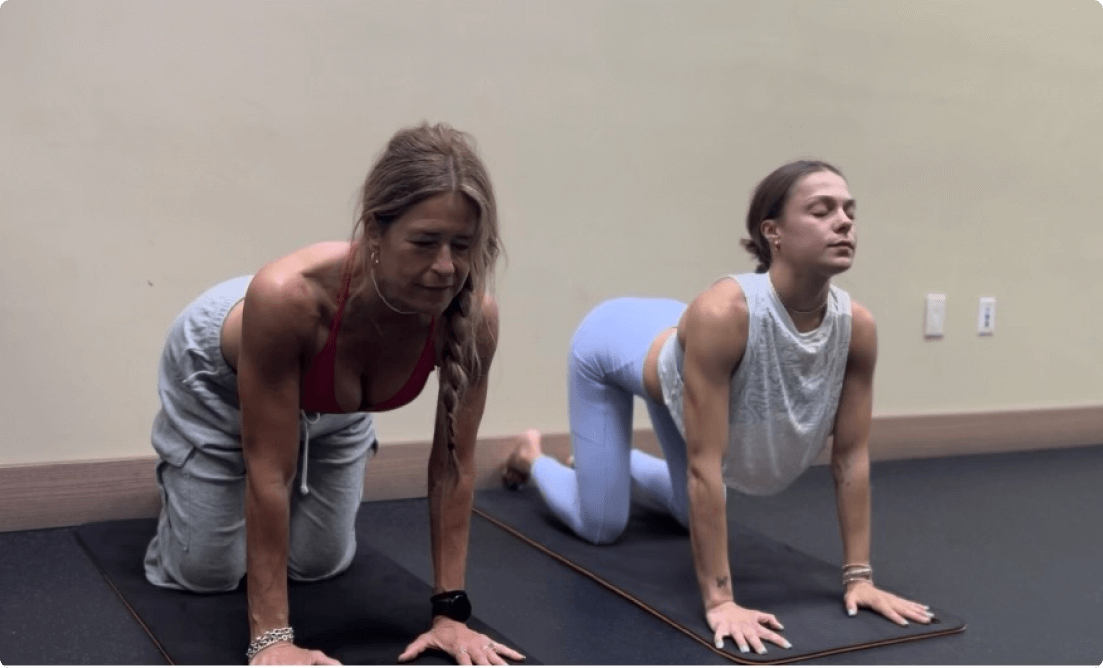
(200, 540)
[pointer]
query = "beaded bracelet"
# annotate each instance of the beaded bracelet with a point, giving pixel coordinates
(269, 638)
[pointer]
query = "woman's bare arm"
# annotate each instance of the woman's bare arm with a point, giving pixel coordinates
(451, 492)
(850, 448)
(452, 473)
(850, 470)
(269, 372)
(716, 327)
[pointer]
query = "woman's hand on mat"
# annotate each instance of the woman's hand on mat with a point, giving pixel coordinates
(748, 628)
(286, 654)
(466, 646)
(896, 609)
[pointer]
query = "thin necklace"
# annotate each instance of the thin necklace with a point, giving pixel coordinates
(815, 310)
(793, 310)
(389, 305)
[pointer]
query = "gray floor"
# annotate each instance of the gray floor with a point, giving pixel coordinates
(1012, 543)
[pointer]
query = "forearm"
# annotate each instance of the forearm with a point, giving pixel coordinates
(852, 500)
(708, 531)
(451, 494)
(266, 540)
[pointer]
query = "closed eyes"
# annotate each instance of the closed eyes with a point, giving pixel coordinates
(825, 205)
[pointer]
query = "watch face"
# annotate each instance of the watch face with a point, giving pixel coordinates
(462, 608)
(457, 606)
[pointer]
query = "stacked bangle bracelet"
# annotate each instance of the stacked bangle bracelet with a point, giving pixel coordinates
(856, 573)
(269, 638)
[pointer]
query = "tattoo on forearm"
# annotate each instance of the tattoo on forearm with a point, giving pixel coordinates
(722, 582)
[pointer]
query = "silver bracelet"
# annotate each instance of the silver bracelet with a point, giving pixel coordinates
(269, 638)
(857, 573)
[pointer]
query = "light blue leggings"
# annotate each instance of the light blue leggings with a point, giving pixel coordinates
(605, 372)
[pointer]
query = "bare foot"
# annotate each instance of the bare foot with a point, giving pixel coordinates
(519, 465)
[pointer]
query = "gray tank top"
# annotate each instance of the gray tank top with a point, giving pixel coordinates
(784, 394)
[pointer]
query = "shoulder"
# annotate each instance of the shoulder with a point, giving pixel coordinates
(487, 327)
(714, 328)
(863, 335)
(297, 284)
(720, 309)
(281, 303)
(489, 312)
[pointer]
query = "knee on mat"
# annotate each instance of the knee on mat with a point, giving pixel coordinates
(604, 532)
(321, 561)
(207, 573)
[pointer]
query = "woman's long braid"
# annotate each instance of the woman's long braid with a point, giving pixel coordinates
(460, 344)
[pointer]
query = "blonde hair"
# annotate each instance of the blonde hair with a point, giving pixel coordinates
(418, 163)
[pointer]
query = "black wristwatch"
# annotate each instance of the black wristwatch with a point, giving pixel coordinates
(452, 604)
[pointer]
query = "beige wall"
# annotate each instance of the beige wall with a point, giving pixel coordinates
(151, 149)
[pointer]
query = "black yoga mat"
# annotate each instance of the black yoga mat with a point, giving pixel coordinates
(652, 565)
(366, 615)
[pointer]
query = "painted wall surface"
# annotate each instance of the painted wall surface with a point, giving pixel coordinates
(153, 148)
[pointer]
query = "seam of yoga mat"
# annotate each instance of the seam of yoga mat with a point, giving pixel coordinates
(133, 613)
(692, 634)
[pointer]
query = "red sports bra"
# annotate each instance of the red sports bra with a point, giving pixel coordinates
(318, 393)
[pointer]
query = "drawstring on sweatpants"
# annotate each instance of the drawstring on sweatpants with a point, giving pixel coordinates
(306, 422)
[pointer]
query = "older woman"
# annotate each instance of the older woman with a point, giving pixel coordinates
(266, 383)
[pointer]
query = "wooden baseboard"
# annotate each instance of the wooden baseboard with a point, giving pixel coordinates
(36, 496)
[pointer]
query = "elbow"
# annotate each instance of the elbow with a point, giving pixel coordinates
(849, 464)
(838, 463)
(702, 481)
(697, 475)
(265, 481)
(266, 498)
(452, 476)
(465, 483)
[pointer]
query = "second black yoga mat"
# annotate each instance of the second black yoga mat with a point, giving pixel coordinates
(652, 565)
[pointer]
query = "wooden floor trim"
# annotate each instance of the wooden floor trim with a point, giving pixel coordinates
(35, 496)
